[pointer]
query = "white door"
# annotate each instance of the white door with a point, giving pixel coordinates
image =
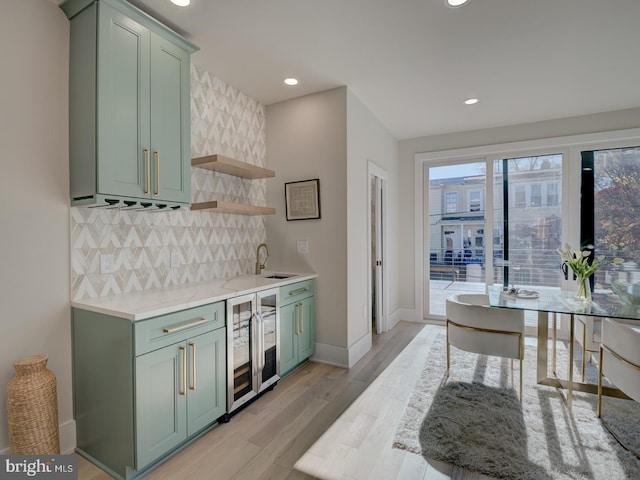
(378, 254)
(377, 227)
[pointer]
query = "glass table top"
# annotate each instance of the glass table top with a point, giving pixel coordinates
(602, 304)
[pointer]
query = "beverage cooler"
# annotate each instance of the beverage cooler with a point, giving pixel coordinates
(253, 326)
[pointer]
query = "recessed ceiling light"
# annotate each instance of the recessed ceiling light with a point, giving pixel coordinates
(291, 81)
(471, 101)
(181, 3)
(455, 3)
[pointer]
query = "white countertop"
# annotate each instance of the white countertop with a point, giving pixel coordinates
(151, 303)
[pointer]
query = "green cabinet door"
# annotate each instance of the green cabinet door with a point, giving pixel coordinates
(206, 383)
(306, 335)
(123, 80)
(129, 107)
(161, 396)
(170, 122)
(288, 338)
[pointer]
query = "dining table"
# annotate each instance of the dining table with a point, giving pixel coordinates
(552, 303)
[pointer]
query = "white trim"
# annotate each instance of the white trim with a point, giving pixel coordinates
(406, 314)
(331, 355)
(68, 437)
(569, 146)
(359, 349)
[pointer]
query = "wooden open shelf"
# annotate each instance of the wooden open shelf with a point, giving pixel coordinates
(222, 164)
(230, 207)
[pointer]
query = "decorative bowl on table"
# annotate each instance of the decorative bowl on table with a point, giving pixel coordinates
(629, 293)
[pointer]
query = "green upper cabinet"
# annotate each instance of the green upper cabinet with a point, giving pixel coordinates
(129, 108)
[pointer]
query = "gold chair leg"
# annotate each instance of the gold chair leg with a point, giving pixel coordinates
(584, 350)
(600, 384)
(521, 379)
(446, 373)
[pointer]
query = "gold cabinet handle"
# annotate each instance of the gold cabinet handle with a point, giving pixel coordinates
(183, 388)
(301, 319)
(148, 166)
(157, 155)
(297, 319)
(299, 291)
(184, 327)
(193, 366)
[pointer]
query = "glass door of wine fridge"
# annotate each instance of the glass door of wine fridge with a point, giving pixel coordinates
(268, 346)
(253, 364)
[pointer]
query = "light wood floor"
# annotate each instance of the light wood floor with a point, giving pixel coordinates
(266, 439)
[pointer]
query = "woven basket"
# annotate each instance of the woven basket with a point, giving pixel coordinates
(32, 408)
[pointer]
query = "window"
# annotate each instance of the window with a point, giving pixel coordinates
(536, 195)
(609, 215)
(521, 196)
(450, 202)
(552, 194)
(475, 200)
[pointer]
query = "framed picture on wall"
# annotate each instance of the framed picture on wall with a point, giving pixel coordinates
(302, 199)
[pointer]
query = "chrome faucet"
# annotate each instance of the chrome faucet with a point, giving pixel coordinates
(260, 266)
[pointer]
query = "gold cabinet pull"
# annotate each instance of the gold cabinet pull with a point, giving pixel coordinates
(193, 365)
(157, 155)
(184, 327)
(301, 319)
(297, 319)
(299, 291)
(183, 388)
(148, 166)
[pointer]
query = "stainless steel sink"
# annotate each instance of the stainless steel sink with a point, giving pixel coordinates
(279, 275)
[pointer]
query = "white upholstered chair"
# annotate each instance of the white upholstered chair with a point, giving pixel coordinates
(474, 326)
(587, 332)
(620, 358)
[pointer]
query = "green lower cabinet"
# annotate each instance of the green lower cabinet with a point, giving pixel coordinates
(180, 389)
(297, 325)
(144, 389)
(306, 337)
(161, 405)
(288, 338)
(206, 386)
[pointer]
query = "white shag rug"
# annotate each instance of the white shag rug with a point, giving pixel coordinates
(475, 420)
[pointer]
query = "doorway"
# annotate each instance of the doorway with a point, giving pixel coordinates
(377, 246)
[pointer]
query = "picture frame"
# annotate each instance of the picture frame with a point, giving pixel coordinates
(302, 199)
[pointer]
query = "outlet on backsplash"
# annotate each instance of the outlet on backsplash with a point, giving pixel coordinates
(107, 263)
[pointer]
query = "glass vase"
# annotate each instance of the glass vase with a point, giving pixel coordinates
(583, 294)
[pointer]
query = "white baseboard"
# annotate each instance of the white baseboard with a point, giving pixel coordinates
(331, 355)
(407, 314)
(341, 356)
(359, 349)
(67, 438)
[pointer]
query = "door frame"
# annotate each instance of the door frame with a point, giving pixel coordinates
(382, 324)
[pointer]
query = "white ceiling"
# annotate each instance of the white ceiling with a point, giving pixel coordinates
(414, 62)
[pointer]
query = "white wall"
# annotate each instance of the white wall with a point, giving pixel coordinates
(34, 186)
(367, 141)
(601, 122)
(332, 136)
(306, 139)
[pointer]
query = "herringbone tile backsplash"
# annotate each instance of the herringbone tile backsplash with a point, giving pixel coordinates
(207, 245)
